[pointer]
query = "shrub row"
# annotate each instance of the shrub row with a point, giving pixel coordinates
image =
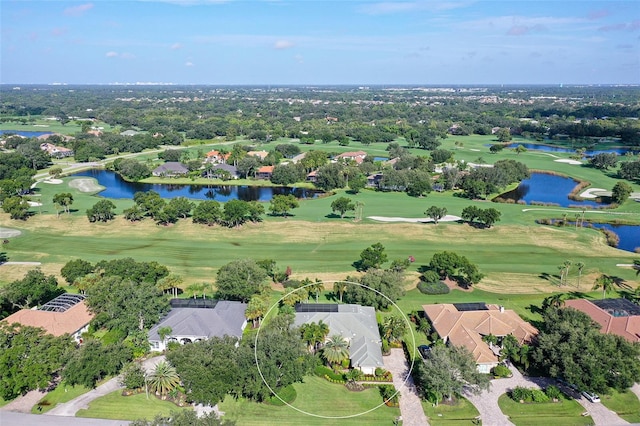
(433, 288)
(522, 394)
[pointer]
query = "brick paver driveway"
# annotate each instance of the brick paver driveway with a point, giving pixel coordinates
(490, 413)
(410, 405)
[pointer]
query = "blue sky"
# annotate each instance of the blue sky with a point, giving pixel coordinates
(320, 42)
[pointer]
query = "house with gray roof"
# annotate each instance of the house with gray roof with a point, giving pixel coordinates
(194, 324)
(171, 168)
(356, 324)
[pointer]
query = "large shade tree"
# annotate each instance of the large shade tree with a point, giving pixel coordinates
(570, 345)
(447, 371)
(240, 279)
(29, 358)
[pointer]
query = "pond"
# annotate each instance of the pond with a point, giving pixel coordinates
(549, 148)
(629, 235)
(116, 187)
(25, 133)
(546, 188)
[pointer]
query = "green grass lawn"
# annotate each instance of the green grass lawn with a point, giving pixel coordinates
(460, 412)
(565, 412)
(117, 407)
(625, 404)
(62, 393)
(3, 402)
(318, 397)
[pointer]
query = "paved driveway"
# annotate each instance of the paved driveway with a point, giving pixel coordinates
(490, 413)
(71, 408)
(410, 405)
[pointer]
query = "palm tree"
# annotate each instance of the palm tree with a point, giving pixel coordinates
(256, 309)
(340, 287)
(164, 332)
(393, 328)
(490, 339)
(604, 282)
(636, 266)
(316, 288)
(556, 300)
(335, 350)
(567, 265)
(322, 332)
(580, 266)
(163, 379)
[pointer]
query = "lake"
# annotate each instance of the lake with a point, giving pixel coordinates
(549, 148)
(629, 235)
(116, 187)
(25, 134)
(545, 188)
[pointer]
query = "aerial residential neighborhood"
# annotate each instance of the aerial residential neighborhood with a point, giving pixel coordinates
(319, 213)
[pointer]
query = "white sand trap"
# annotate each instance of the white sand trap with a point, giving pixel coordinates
(34, 203)
(473, 149)
(53, 181)
(8, 233)
(85, 185)
(447, 218)
(594, 193)
(568, 161)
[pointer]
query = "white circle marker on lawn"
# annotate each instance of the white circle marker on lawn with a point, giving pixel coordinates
(255, 352)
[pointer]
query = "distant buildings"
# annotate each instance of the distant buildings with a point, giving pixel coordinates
(170, 169)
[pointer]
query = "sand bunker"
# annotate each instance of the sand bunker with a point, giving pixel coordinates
(34, 203)
(594, 193)
(568, 161)
(53, 181)
(85, 185)
(8, 233)
(447, 218)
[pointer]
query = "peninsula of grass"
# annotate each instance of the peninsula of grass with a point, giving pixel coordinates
(458, 413)
(564, 412)
(624, 404)
(61, 394)
(114, 406)
(320, 400)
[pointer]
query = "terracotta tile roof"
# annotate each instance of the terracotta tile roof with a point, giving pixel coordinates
(265, 169)
(55, 323)
(466, 328)
(627, 327)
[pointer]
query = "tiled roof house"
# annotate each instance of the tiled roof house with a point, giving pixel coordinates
(356, 324)
(466, 327)
(615, 316)
(66, 314)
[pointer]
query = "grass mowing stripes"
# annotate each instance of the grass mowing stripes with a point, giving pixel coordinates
(564, 412)
(316, 396)
(117, 407)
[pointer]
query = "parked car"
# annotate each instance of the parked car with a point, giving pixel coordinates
(591, 396)
(424, 350)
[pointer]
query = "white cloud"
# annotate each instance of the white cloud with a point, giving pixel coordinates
(79, 10)
(299, 59)
(176, 46)
(384, 8)
(282, 44)
(111, 54)
(189, 64)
